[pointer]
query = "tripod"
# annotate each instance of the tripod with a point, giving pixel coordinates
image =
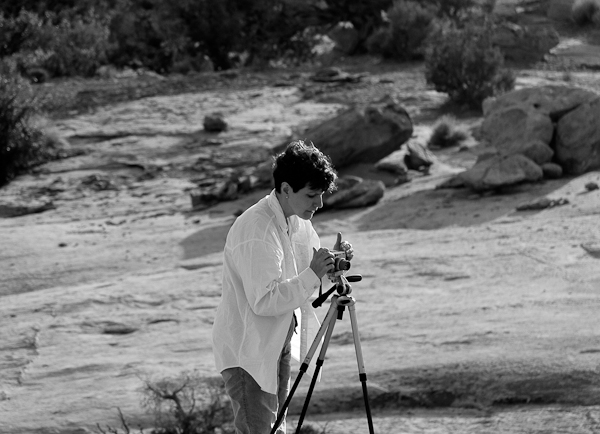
(339, 302)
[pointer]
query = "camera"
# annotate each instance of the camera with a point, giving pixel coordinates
(340, 265)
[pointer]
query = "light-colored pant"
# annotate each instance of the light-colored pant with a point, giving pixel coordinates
(255, 411)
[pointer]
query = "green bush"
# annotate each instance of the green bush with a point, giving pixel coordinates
(403, 38)
(22, 144)
(585, 12)
(464, 63)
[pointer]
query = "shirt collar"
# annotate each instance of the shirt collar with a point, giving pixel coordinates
(274, 204)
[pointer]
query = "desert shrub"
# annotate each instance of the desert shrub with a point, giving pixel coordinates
(366, 16)
(585, 12)
(62, 45)
(147, 33)
(17, 31)
(464, 63)
(166, 36)
(447, 132)
(265, 30)
(403, 37)
(312, 429)
(75, 45)
(13, 8)
(187, 404)
(22, 144)
(458, 9)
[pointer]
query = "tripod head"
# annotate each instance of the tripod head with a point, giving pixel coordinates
(342, 286)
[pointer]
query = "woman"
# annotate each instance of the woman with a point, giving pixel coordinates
(272, 265)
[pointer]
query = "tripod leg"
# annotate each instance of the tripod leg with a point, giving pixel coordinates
(304, 366)
(318, 365)
(361, 366)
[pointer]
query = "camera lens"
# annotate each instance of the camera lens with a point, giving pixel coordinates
(342, 264)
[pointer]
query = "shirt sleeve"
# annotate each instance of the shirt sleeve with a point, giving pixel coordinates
(260, 264)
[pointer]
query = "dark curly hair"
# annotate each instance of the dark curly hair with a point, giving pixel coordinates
(303, 164)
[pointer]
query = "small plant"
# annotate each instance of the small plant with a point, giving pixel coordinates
(22, 144)
(311, 429)
(186, 404)
(464, 63)
(447, 133)
(585, 12)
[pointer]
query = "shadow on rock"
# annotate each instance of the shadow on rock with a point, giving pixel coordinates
(440, 208)
(476, 387)
(205, 241)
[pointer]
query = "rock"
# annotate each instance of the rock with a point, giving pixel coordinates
(593, 248)
(537, 151)
(552, 170)
(264, 173)
(333, 74)
(591, 186)
(394, 167)
(525, 43)
(514, 129)
(361, 134)
(577, 147)
(214, 123)
(418, 157)
(452, 182)
(21, 208)
(37, 75)
(552, 100)
(354, 192)
(542, 203)
(98, 182)
(499, 171)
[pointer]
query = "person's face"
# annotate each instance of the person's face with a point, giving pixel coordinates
(305, 202)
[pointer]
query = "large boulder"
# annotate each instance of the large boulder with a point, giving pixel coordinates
(361, 134)
(537, 151)
(578, 139)
(525, 43)
(500, 171)
(533, 133)
(513, 129)
(552, 100)
(354, 192)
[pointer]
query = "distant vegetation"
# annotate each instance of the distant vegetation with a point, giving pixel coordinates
(74, 38)
(586, 12)
(46, 39)
(23, 143)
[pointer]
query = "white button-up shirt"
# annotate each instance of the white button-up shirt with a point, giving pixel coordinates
(266, 277)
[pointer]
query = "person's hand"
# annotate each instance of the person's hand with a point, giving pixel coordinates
(344, 246)
(322, 262)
